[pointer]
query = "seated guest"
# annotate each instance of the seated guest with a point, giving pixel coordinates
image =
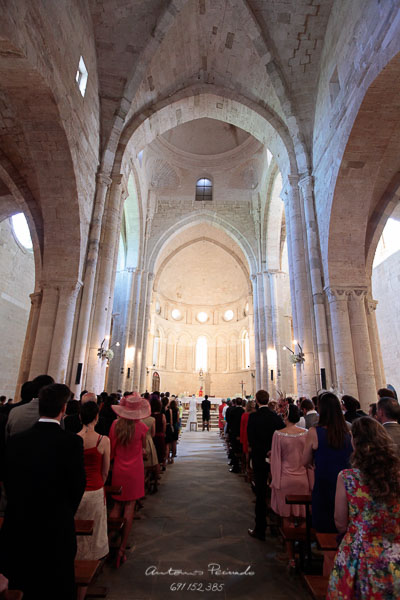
(388, 413)
(289, 475)
(128, 444)
(328, 447)
(310, 414)
(44, 482)
(93, 505)
(26, 415)
(367, 512)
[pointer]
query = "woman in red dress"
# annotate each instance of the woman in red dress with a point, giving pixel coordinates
(221, 420)
(128, 444)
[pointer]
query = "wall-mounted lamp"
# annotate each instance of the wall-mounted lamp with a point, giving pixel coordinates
(296, 358)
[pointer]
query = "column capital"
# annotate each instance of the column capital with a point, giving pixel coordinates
(344, 292)
(103, 179)
(306, 180)
(358, 294)
(293, 180)
(371, 305)
(36, 297)
(116, 178)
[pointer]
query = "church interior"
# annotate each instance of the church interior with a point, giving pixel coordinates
(200, 197)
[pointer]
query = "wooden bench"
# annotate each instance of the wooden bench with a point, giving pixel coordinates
(305, 500)
(317, 585)
(327, 541)
(85, 571)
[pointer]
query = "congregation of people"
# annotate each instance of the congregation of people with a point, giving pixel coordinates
(59, 456)
(348, 462)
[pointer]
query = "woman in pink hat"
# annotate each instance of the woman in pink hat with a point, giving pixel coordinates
(128, 443)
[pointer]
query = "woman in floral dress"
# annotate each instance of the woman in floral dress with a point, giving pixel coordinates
(367, 512)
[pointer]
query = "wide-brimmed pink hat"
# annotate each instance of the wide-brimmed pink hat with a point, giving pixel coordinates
(133, 407)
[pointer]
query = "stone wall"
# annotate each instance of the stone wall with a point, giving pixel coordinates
(386, 290)
(17, 281)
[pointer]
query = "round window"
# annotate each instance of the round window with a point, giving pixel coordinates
(228, 315)
(176, 314)
(202, 317)
(21, 230)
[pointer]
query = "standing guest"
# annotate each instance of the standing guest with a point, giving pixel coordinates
(107, 416)
(233, 419)
(26, 415)
(386, 393)
(250, 408)
(161, 426)
(260, 429)
(367, 512)
(328, 447)
(169, 433)
(175, 426)
(388, 413)
(273, 405)
(128, 444)
(206, 407)
(372, 410)
(311, 416)
(353, 409)
(44, 482)
(93, 504)
(3, 400)
(150, 460)
(221, 421)
(72, 421)
(289, 475)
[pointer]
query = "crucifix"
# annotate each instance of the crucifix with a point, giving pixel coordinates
(242, 384)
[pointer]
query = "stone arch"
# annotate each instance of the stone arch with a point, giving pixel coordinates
(194, 241)
(215, 102)
(36, 140)
(208, 217)
(367, 182)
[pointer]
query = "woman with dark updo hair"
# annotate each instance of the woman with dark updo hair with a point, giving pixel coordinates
(367, 512)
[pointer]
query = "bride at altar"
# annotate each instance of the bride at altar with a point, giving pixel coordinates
(192, 417)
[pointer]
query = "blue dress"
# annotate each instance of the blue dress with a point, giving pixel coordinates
(328, 463)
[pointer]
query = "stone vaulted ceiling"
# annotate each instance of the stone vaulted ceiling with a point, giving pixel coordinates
(266, 50)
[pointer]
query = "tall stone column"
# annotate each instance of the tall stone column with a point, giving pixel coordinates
(379, 369)
(145, 334)
(105, 281)
(256, 332)
(342, 340)
(81, 343)
(302, 297)
(124, 306)
(130, 353)
(306, 187)
(30, 336)
(269, 335)
(262, 332)
(361, 348)
(64, 322)
(45, 331)
(140, 315)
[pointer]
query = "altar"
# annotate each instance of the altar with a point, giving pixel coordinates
(199, 399)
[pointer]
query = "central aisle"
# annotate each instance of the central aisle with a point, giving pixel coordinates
(200, 516)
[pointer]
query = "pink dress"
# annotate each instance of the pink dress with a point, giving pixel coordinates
(289, 476)
(128, 470)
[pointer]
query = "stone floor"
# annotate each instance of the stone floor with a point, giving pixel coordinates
(199, 518)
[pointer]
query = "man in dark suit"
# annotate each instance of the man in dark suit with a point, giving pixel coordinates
(206, 407)
(260, 429)
(44, 481)
(388, 413)
(233, 419)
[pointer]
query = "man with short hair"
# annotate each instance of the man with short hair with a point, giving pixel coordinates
(311, 417)
(206, 407)
(261, 427)
(24, 416)
(388, 413)
(44, 481)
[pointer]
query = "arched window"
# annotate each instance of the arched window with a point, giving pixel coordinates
(21, 230)
(201, 353)
(246, 350)
(204, 190)
(156, 347)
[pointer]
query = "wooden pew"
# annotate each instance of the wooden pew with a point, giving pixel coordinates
(327, 541)
(85, 571)
(305, 500)
(317, 585)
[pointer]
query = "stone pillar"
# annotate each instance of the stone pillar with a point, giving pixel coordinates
(342, 341)
(105, 281)
(81, 342)
(262, 332)
(44, 334)
(64, 322)
(306, 186)
(30, 336)
(301, 298)
(145, 334)
(269, 335)
(379, 369)
(130, 355)
(361, 348)
(257, 352)
(140, 310)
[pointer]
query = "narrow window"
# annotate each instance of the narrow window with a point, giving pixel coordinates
(82, 76)
(201, 353)
(246, 350)
(203, 190)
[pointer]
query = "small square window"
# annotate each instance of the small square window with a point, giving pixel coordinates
(82, 76)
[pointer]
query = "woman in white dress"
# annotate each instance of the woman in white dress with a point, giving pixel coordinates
(192, 418)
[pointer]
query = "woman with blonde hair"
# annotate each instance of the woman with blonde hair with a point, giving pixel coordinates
(367, 512)
(128, 444)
